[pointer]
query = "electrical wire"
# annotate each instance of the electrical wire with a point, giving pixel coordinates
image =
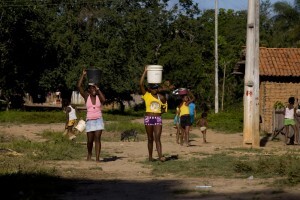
(12, 3)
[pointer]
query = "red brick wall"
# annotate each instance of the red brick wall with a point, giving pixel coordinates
(270, 92)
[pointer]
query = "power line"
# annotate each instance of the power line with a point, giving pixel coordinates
(35, 3)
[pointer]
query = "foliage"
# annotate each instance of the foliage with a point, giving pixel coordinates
(278, 105)
(286, 23)
(229, 120)
(45, 45)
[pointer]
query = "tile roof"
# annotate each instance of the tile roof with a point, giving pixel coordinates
(279, 61)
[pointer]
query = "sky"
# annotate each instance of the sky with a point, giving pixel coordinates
(228, 4)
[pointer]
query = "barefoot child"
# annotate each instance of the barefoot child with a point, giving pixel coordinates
(289, 120)
(70, 121)
(202, 122)
(185, 119)
(177, 126)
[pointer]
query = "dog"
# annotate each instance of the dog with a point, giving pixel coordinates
(126, 135)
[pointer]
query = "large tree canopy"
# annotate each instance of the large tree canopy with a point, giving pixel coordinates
(45, 45)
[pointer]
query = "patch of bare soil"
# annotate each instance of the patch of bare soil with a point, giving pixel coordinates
(124, 176)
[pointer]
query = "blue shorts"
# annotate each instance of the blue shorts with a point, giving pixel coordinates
(152, 120)
(94, 125)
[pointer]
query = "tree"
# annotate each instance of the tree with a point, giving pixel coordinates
(286, 24)
(23, 41)
(45, 45)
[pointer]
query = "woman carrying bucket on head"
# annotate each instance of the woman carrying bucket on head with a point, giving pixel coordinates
(94, 100)
(156, 104)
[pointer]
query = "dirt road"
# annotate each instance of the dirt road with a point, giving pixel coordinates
(124, 176)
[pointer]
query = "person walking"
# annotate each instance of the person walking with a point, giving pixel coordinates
(202, 122)
(185, 120)
(289, 120)
(71, 120)
(94, 100)
(192, 108)
(156, 104)
(177, 126)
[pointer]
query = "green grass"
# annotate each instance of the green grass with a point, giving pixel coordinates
(56, 147)
(42, 117)
(32, 117)
(283, 167)
(228, 121)
(196, 167)
(25, 175)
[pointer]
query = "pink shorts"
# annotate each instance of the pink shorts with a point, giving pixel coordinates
(152, 120)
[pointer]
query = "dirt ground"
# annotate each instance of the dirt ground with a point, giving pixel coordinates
(124, 176)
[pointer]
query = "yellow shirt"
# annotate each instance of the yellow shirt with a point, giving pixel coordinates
(184, 110)
(152, 104)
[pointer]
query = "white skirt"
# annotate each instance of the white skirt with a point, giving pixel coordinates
(94, 125)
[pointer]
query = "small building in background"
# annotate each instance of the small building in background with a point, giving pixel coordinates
(279, 70)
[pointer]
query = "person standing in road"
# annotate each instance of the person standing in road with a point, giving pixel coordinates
(289, 120)
(185, 120)
(94, 100)
(203, 124)
(156, 104)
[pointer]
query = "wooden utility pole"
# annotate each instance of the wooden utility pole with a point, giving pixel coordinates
(251, 88)
(216, 59)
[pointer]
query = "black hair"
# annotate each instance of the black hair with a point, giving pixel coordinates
(153, 86)
(203, 115)
(292, 100)
(66, 102)
(183, 95)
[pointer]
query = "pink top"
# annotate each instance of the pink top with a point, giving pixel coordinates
(93, 111)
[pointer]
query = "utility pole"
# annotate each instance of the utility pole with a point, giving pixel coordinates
(251, 88)
(216, 59)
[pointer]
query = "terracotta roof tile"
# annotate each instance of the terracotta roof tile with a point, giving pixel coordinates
(279, 61)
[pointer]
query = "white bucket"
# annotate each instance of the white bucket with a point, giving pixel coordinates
(154, 73)
(81, 125)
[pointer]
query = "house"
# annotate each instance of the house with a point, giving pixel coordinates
(279, 70)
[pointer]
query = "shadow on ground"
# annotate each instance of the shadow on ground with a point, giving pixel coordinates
(264, 140)
(39, 186)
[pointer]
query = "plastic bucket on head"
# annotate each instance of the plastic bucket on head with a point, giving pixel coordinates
(93, 76)
(81, 125)
(154, 73)
(182, 91)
